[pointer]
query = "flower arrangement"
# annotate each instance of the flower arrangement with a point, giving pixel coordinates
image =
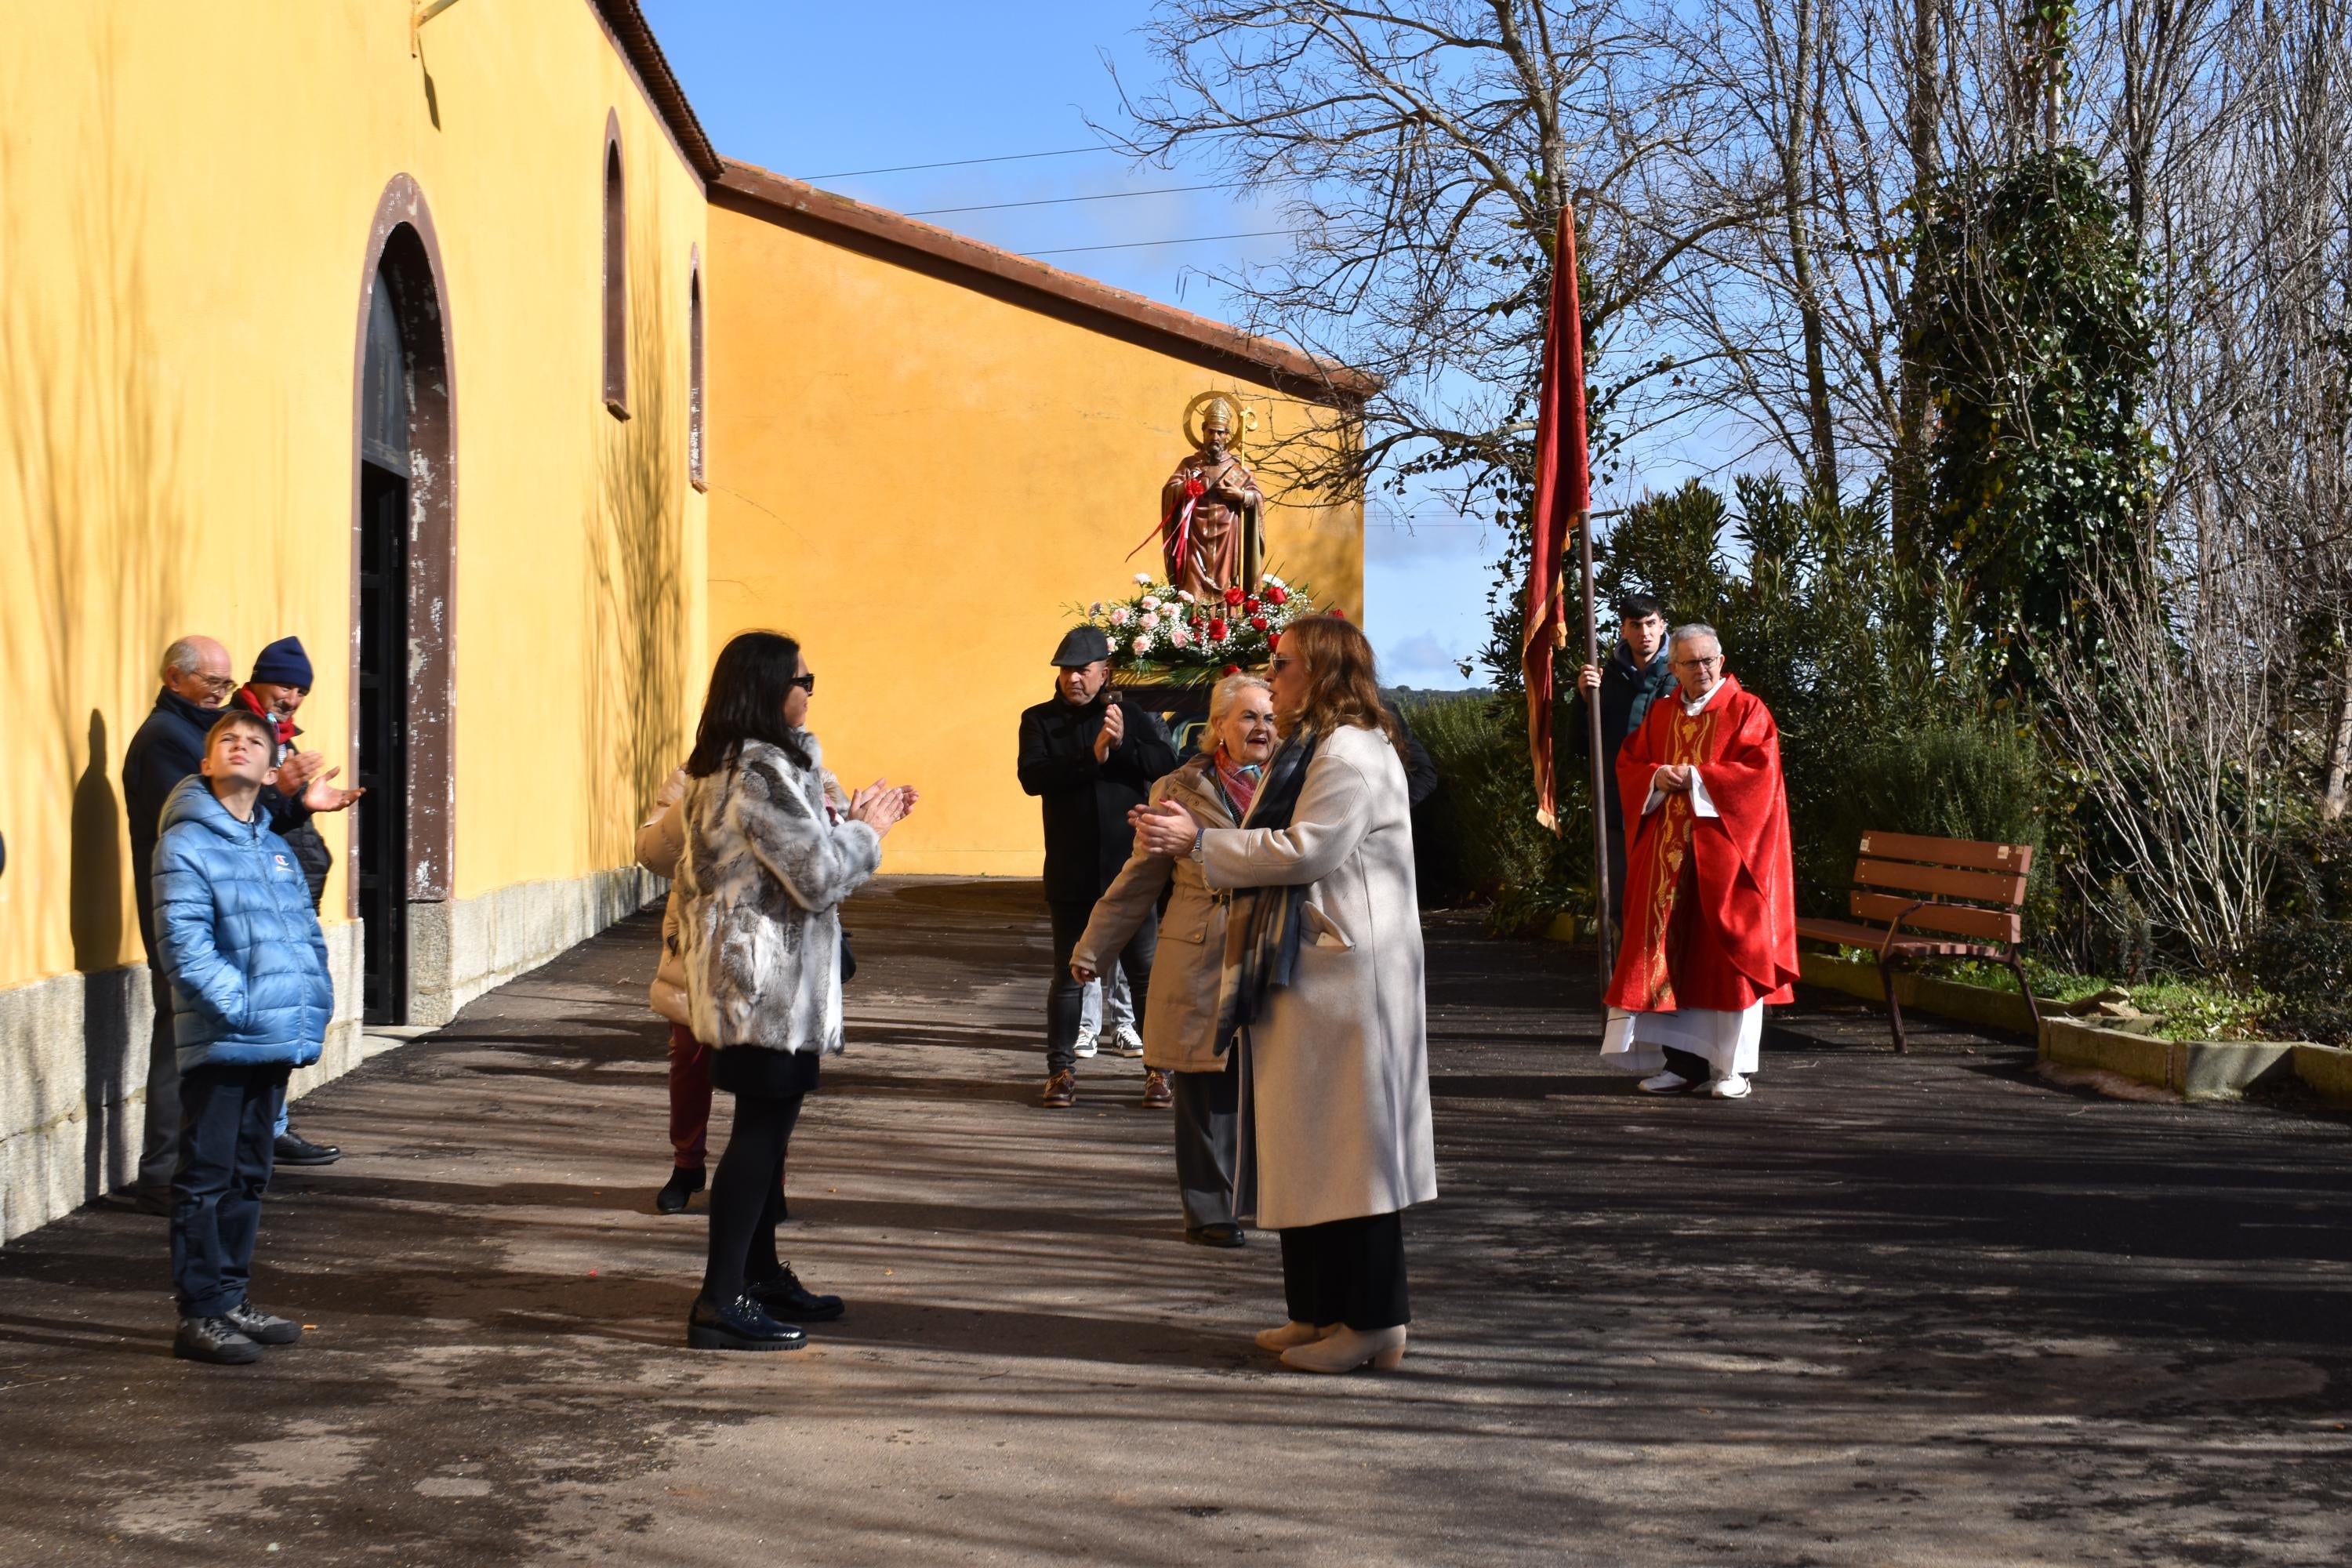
(1162, 625)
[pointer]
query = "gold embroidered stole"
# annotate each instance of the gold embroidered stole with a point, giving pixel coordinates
(1666, 850)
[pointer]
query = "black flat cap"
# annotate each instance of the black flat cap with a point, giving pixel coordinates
(1081, 645)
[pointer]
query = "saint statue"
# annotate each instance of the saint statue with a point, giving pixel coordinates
(1211, 516)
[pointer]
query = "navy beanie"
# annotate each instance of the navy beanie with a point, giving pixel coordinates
(283, 663)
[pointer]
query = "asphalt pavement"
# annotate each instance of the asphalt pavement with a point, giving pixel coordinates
(1926, 1309)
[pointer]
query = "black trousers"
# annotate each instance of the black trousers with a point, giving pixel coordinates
(228, 1120)
(1065, 998)
(1207, 1104)
(159, 1149)
(1689, 1063)
(1349, 1272)
(746, 1189)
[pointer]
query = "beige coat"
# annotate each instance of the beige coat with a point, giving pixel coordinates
(660, 842)
(1336, 1075)
(1179, 1015)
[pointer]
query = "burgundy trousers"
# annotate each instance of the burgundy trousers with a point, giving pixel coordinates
(689, 1097)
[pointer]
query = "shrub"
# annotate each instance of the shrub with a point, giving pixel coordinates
(1476, 838)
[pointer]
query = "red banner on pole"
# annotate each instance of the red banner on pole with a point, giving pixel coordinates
(1563, 495)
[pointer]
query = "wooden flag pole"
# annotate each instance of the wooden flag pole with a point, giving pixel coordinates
(1602, 762)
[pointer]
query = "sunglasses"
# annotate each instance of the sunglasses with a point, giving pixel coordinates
(805, 682)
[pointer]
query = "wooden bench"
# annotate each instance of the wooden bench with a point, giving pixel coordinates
(1916, 896)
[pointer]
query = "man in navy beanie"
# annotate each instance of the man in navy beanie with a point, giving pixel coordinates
(281, 681)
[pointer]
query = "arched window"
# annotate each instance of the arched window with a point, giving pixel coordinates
(616, 275)
(694, 370)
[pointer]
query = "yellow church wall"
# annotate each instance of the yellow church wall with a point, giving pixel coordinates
(919, 479)
(185, 200)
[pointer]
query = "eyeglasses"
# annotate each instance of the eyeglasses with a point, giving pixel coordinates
(1709, 662)
(805, 682)
(1279, 663)
(218, 683)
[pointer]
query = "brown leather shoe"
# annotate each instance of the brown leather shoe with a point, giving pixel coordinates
(1157, 1095)
(1061, 1091)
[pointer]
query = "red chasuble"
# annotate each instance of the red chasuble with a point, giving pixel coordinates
(1710, 902)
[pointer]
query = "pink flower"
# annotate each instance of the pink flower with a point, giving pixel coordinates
(1142, 645)
(1121, 615)
(1180, 637)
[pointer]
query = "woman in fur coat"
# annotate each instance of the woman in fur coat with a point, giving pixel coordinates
(768, 860)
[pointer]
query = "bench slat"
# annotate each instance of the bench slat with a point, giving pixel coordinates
(1984, 887)
(1974, 854)
(1847, 933)
(1990, 925)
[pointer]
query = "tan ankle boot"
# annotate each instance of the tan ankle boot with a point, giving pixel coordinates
(1293, 1332)
(1345, 1350)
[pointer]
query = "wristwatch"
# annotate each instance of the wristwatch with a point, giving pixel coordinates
(1199, 858)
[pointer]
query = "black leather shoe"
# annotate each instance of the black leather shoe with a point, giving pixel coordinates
(786, 1297)
(678, 1190)
(261, 1328)
(213, 1339)
(293, 1149)
(740, 1325)
(151, 1200)
(1224, 1233)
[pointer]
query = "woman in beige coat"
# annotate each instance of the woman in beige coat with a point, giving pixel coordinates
(1322, 994)
(1180, 1018)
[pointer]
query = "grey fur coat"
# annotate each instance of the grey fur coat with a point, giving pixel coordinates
(759, 891)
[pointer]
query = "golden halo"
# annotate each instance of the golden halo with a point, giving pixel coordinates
(1245, 417)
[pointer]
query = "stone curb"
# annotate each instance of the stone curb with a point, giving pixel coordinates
(2193, 1069)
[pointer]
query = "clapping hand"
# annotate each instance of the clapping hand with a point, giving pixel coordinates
(1113, 731)
(1164, 829)
(321, 793)
(880, 806)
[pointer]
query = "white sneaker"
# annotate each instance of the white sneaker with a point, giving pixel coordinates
(1127, 1042)
(1730, 1087)
(1086, 1046)
(1663, 1083)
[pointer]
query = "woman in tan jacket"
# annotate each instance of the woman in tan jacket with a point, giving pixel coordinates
(1321, 996)
(1180, 1010)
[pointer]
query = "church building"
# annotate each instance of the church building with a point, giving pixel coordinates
(437, 334)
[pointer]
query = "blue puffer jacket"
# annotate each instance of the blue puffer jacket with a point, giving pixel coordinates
(235, 936)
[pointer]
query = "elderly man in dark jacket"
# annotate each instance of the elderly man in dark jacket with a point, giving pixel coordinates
(169, 747)
(1089, 758)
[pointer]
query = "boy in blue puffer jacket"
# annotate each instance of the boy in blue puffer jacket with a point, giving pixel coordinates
(250, 1000)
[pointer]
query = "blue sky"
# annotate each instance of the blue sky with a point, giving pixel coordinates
(819, 91)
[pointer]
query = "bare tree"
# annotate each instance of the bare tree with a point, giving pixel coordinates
(1421, 151)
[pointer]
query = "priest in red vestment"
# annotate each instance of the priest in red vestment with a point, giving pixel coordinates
(1710, 900)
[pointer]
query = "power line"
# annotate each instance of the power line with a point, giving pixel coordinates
(1057, 200)
(1139, 244)
(952, 163)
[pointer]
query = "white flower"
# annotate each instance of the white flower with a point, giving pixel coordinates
(1150, 622)
(1275, 581)
(1181, 636)
(1121, 615)
(1142, 645)
(1143, 579)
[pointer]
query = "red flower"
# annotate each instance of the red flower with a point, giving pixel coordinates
(1234, 597)
(1273, 641)
(1217, 628)
(1258, 621)
(1278, 595)
(1338, 614)
(1232, 669)
(1195, 488)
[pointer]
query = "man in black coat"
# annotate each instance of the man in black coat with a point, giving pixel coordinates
(1629, 681)
(1089, 758)
(170, 746)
